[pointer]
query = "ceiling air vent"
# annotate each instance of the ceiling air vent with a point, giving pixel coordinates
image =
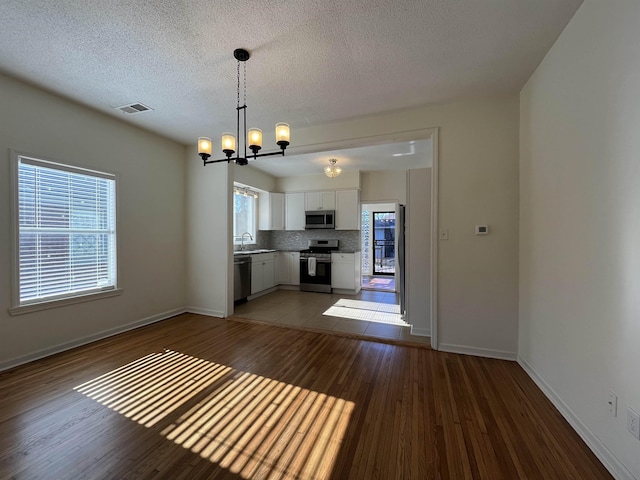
(134, 108)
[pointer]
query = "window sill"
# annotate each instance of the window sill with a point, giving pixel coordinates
(36, 307)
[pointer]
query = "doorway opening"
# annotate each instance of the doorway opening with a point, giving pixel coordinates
(384, 243)
(379, 249)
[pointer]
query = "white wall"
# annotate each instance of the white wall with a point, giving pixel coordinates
(418, 244)
(209, 230)
(252, 177)
(307, 183)
(478, 181)
(151, 191)
(580, 225)
(384, 185)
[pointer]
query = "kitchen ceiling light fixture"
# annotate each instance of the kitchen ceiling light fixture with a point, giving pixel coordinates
(252, 139)
(332, 170)
(246, 192)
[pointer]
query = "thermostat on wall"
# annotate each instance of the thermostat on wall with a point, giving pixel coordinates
(482, 229)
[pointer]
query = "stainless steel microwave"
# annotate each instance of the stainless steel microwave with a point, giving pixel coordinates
(319, 219)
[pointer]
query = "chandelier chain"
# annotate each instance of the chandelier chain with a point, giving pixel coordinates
(238, 89)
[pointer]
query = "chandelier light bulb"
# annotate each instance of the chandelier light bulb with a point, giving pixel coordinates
(283, 133)
(228, 143)
(255, 139)
(204, 146)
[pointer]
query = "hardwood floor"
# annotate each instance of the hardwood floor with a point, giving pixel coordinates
(195, 397)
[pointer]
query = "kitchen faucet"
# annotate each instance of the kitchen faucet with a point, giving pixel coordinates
(242, 239)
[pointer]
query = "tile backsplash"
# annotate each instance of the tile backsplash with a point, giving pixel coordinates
(299, 239)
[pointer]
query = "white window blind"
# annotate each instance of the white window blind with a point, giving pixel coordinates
(66, 231)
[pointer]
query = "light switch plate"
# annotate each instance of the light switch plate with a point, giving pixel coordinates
(444, 234)
(482, 229)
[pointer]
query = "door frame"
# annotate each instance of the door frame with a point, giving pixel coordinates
(394, 137)
(395, 205)
(395, 242)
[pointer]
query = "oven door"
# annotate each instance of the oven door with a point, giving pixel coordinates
(321, 281)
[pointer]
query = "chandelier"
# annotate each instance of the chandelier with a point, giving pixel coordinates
(253, 138)
(332, 170)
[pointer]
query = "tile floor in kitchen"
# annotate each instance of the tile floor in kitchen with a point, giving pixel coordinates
(368, 314)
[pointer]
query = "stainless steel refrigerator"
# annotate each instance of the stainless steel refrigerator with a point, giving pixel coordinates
(400, 235)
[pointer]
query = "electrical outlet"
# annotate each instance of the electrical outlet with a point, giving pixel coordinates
(633, 423)
(612, 404)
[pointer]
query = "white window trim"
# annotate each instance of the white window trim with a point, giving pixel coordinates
(34, 306)
(236, 239)
(61, 302)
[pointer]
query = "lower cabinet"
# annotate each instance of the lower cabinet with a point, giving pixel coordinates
(287, 268)
(345, 271)
(262, 272)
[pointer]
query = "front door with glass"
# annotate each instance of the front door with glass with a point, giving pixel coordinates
(384, 243)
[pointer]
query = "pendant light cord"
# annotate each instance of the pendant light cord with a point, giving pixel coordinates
(238, 88)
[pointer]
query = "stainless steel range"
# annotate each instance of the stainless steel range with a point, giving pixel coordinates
(315, 266)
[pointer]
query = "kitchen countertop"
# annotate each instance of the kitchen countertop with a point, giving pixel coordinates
(268, 250)
(253, 252)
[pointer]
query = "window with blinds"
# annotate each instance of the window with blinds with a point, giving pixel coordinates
(66, 231)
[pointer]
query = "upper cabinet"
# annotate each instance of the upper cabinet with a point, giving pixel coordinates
(294, 211)
(347, 210)
(271, 211)
(286, 211)
(320, 200)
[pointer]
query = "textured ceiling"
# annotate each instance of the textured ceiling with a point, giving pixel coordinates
(313, 61)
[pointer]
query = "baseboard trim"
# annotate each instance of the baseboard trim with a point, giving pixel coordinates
(478, 352)
(205, 311)
(89, 339)
(289, 287)
(420, 332)
(599, 449)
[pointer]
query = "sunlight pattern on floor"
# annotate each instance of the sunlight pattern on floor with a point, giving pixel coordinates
(238, 420)
(366, 311)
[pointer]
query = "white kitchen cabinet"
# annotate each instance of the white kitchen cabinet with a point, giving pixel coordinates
(347, 210)
(287, 268)
(282, 275)
(271, 211)
(345, 271)
(262, 272)
(294, 211)
(294, 267)
(320, 200)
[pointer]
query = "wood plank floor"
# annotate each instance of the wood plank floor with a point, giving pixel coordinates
(200, 398)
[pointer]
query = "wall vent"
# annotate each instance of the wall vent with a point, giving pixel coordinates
(134, 108)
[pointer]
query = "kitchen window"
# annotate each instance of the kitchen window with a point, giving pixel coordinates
(65, 237)
(244, 215)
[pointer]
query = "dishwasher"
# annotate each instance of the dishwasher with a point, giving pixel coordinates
(241, 277)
